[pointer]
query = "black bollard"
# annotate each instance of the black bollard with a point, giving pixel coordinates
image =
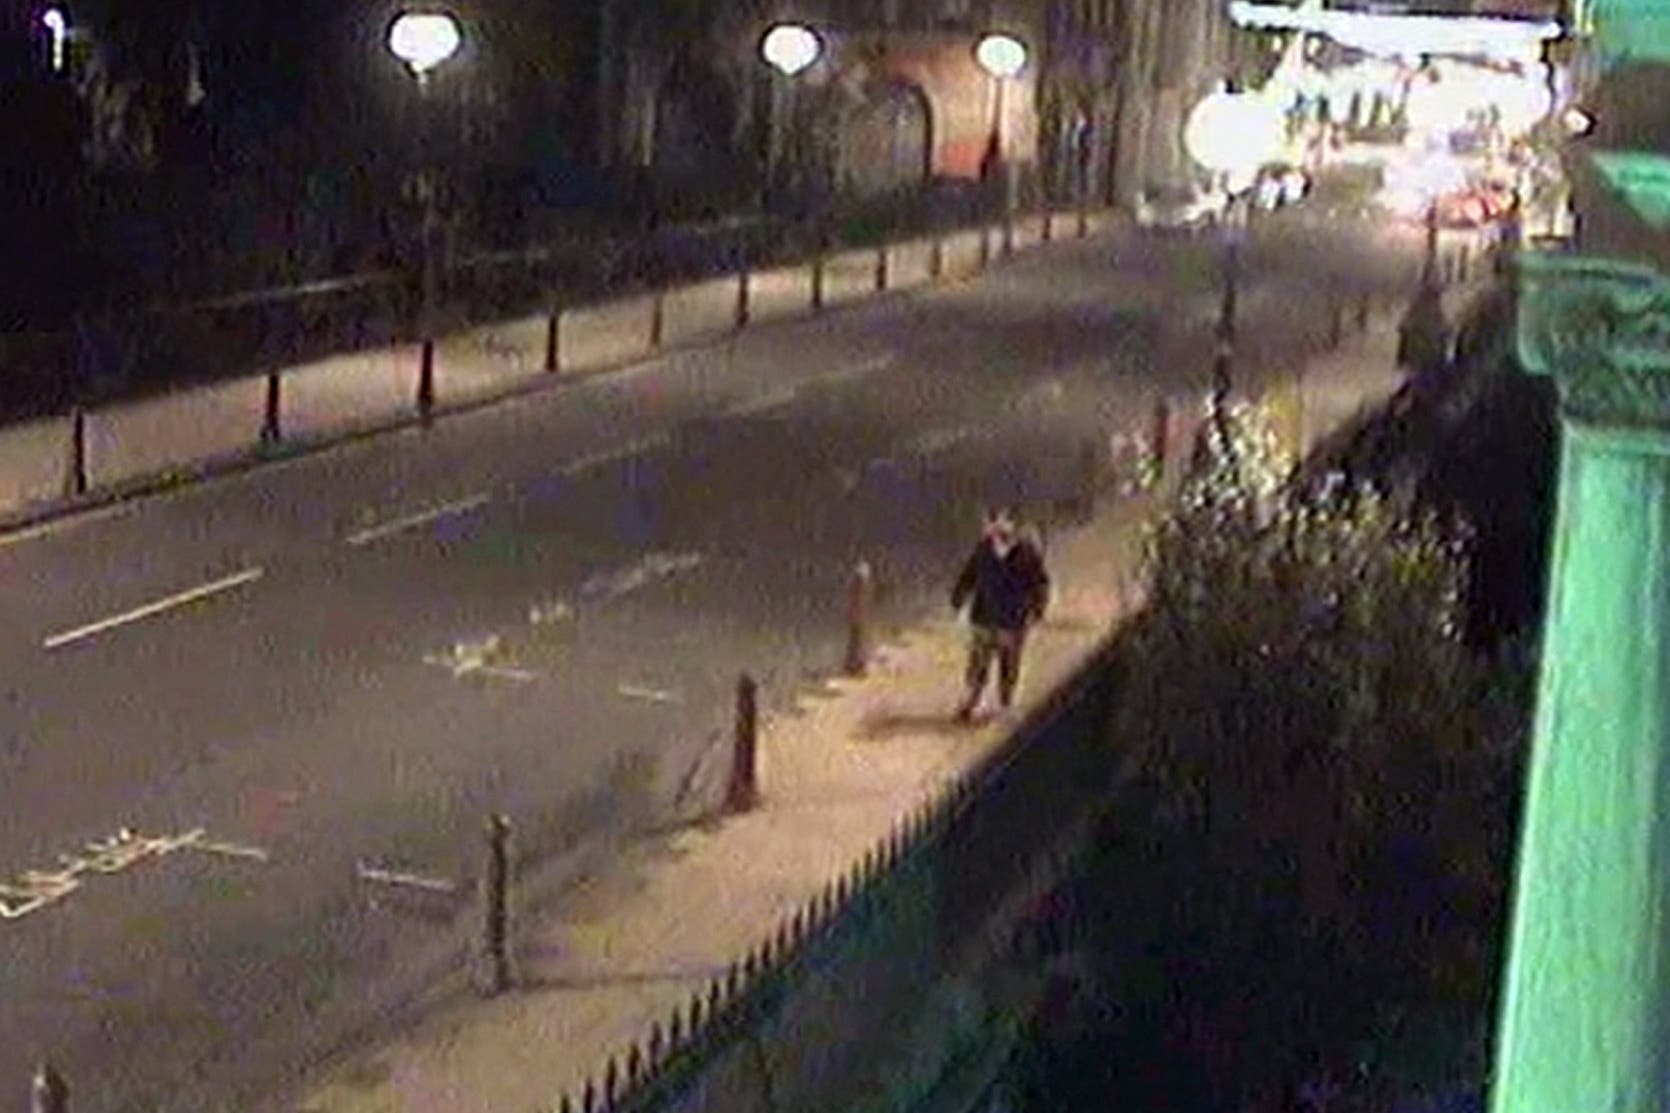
(553, 340)
(744, 791)
(881, 269)
(270, 431)
(426, 381)
(743, 310)
(48, 1093)
(495, 950)
(76, 481)
(936, 261)
(817, 281)
(657, 320)
(1160, 444)
(860, 597)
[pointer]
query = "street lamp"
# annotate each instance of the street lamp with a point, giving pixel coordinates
(790, 49)
(1232, 135)
(1002, 56)
(423, 40)
(57, 25)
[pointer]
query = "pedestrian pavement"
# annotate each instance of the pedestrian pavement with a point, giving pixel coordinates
(838, 768)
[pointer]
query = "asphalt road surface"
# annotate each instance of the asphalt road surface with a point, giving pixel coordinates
(274, 682)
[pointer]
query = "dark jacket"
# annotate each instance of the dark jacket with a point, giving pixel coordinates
(1009, 591)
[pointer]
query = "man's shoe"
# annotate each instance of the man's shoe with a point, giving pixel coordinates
(965, 713)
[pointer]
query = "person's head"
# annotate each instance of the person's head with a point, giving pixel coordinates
(1001, 525)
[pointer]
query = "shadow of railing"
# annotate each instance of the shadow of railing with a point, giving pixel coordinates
(877, 936)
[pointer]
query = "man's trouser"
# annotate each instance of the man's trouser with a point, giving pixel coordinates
(988, 642)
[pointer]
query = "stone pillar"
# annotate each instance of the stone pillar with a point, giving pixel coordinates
(1585, 1022)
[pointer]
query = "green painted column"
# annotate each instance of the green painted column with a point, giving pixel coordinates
(1625, 28)
(1585, 1022)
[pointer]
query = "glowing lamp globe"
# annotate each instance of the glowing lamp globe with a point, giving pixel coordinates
(1234, 134)
(58, 25)
(790, 48)
(423, 40)
(1001, 55)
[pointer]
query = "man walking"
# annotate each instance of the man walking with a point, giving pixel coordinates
(1009, 587)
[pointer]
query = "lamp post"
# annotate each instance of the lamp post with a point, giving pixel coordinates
(423, 40)
(1429, 262)
(1231, 135)
(1002, 56)
(57, 26)
(789, 49)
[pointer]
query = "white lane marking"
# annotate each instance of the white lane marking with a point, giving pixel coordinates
(648, 695)
(33, 890)
(613, 455)
(640, 573)
(421, 518)
(180, 599)
(231, 850)
(64, 525)
(401, 878)
(760, 403)
(859, 370)
(938, 440)
(478, 658)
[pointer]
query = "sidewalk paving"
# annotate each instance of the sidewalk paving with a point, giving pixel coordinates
(625, 949)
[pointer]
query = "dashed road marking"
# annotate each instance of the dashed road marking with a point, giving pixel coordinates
(33, 890)
(478, 658)
(613, 455)
(761, 403)
(421, 518)
(65, 525)
(179, 599)
(403, 879)
(231, 850)
(648, 695)
(648, 569)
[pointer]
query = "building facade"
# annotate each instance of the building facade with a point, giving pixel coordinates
(298, 131)
(897, 98)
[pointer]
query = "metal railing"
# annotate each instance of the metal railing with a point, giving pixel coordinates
(117, 356)
(965, 844)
